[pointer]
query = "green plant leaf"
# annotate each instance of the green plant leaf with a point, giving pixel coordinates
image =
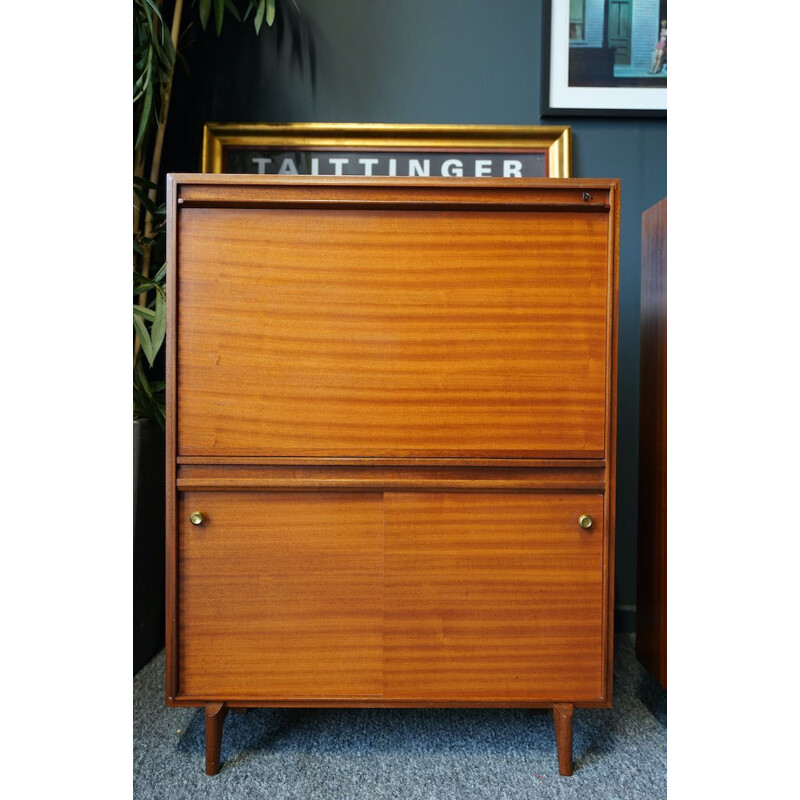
(165, 49)
(159, 412)
(159, 324)
(148, 398)
(144, 119)
(234, 11)
(142, 284)
(144, 339)
(205, 12)
(142, 311)
(219, 14)
(137, 276)
(145, 72)
(161, 274)
(270, 12)
(150, 22)
(152, 207)
(261, 7)
(143, 184)
(140, 380)
(155, 8)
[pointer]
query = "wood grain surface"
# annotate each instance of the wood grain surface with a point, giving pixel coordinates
(280, 595)
(392, 333)
(493, 596)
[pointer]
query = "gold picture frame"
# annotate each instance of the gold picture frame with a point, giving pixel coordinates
(379, 149)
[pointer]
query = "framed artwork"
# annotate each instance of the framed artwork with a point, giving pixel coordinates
(505, 151)
(605, 58)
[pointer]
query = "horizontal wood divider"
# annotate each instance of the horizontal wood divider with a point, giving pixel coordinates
(278, 485)
(211, 478)
(317, 461)
(392, 205)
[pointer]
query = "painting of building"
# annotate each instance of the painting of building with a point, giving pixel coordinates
(615, 42)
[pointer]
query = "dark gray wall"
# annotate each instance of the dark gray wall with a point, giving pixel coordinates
(435, 61)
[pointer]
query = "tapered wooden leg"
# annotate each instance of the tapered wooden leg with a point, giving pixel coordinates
(215, 716)
(562, 717)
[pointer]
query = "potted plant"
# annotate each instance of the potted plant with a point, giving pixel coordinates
(154, 56)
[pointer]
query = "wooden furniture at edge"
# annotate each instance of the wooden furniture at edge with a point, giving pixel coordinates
(651, 591)
(391, 444)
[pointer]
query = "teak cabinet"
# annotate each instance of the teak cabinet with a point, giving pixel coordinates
(390, 444)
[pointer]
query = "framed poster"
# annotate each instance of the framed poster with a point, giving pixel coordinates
(506, 151)
(605, 58)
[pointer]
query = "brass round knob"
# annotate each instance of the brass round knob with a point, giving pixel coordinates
(585, 521)
(196, 518)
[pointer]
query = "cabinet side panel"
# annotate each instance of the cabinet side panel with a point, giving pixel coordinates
(370, 333)
(281, 595)
(494, 597)
(651, 600)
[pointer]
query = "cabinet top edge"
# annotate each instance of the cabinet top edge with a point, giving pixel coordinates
(178, 179)
(188, 190)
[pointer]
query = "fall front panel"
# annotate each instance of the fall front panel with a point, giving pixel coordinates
(333, 332)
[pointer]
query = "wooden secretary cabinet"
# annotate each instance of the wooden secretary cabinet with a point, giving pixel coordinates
(391, 444)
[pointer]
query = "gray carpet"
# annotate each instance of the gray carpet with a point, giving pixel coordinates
(408, 754)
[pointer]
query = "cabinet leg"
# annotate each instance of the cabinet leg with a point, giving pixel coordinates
(215, 716)
(562, 717)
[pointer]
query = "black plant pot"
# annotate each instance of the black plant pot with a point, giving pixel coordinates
(148, 541)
